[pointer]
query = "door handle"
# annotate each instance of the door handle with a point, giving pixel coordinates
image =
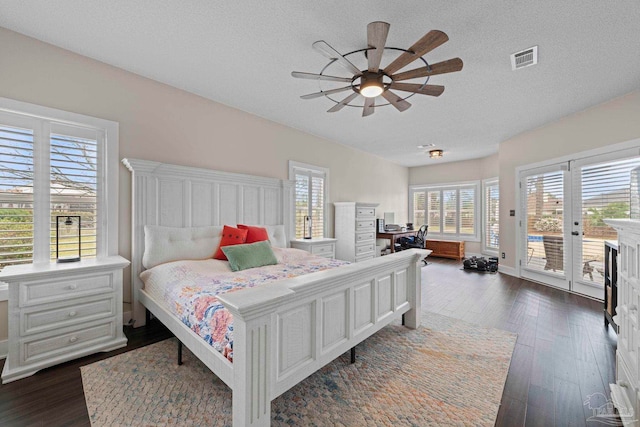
(575, 233)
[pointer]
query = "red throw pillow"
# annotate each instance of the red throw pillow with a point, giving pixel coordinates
(230, 236)
(255, 234)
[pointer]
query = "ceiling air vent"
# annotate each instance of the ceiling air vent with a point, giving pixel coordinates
(524, 58)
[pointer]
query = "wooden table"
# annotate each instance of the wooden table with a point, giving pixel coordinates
(393, 235)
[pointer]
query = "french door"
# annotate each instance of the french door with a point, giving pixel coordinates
(563, 205)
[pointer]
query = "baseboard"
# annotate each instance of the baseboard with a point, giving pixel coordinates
(509, 271)
(126, 318)
(4, 349)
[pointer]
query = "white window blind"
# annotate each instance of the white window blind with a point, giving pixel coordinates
(16, 195)
(450, 211)
(491, 215)
(54, 163)
(74, 184)
(310, 198)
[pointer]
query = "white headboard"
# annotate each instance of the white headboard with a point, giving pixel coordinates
(181, 196)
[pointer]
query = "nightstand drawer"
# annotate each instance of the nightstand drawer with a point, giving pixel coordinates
(365, 212)
(365, 225)
(365, 237)
(46, 348)
(34, 320)
(45, 291)
(323, 250)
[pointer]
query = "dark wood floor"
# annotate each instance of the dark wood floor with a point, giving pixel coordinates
(563, 353)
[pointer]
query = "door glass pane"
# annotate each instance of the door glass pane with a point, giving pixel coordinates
(302, 202)
(492, 206)
(606, 193)
(317, 206)
(545, 214)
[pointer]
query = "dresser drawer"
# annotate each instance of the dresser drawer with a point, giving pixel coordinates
(326, 250)
(47, 348)
(365, 237)
(45, 291)
(365, 249)
(34, 320)
(365, 212)
(365, 257)
(365, 225)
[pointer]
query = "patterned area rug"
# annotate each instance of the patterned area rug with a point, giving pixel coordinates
(448, 372)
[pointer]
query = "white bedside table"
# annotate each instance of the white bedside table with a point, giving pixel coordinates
(59, 312)
(323, 246)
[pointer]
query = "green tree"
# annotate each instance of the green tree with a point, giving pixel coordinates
(612, 210)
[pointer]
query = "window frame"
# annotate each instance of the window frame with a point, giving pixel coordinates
(107, 174)
(319, 170)
(457, 186)
(489, 182)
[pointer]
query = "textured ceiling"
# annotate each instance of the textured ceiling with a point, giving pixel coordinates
(242, 53)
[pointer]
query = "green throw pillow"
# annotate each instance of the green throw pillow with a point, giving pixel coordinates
(249, 255)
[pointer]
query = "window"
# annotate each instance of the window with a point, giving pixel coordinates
(491, 219)
(55, 163)
(450, 211)
(310, 197)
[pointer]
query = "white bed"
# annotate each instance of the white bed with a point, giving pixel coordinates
(286, 330)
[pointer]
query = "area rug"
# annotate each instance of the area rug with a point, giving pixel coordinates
(448, 372)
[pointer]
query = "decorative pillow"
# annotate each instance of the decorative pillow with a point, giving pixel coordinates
(230, 236)
(166, 244)
(254, 234)
(250, 255)
(277, 236)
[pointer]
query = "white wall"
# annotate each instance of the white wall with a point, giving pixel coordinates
(612, 122)
(162, 123)
(466, 170)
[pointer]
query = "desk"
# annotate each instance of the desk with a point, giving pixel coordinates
(393, 235)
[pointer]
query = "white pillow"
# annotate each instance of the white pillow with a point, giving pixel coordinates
(165, 244)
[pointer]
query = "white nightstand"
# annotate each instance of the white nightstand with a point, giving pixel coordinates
(59, 312)
(323, 246)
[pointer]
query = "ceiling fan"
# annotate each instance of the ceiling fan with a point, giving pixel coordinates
(375, 81)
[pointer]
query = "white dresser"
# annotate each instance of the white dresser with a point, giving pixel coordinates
(324, 246)
(355, 229)
(59, 312)
(625, 393)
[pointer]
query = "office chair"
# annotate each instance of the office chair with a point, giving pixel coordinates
(417, 242)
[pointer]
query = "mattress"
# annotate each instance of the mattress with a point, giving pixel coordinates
(189, 289)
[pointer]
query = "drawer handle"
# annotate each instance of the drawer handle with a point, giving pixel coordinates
(73, 339)
(72, 287)
(72, 314)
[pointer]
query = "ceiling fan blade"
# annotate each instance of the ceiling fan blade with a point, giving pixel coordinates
(326, 50)
(448, 66)
(376, 37)
(396, 101)
(342, 103)
(369, 104)
(311, 76)
(426, 44)
(325, 92)
(433, 90)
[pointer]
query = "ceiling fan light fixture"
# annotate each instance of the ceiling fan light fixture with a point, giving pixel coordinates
(371, 85)
(436, 154)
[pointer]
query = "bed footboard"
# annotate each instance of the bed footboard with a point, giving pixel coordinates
(287, 330)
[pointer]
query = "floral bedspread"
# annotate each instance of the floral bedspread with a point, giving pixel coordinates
(190, 290)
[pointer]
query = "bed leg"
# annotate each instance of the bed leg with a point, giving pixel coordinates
(179, 353)
(403, 320)
(147, 316)
(353, 355)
